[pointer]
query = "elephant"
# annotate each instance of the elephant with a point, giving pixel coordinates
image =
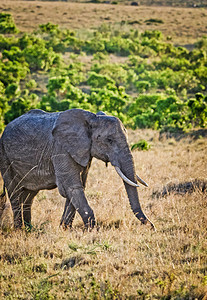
(41, 150)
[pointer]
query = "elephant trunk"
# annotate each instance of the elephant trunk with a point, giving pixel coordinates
(127, 168)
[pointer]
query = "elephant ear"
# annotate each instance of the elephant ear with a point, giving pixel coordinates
(72, 132)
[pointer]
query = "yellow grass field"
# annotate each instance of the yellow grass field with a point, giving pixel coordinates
(183, 25)
(120, 259)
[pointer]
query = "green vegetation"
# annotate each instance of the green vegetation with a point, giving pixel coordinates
(158, 85)
(7, 24)
(141, 145)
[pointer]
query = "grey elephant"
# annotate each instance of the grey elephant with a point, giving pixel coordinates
(41, 150)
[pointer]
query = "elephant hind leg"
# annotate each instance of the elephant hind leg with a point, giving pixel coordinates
(21, 202)
(16, 203)
(27, 204)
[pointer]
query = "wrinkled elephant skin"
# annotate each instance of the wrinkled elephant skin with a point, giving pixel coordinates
(42, 150)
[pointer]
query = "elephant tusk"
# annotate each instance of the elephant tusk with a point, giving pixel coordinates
(127, 180)
(142, 181)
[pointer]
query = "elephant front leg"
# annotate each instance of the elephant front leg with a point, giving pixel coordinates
(71, 186)
(68, 215)
(80, 204)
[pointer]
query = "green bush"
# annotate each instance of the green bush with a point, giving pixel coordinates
(99, 81)
(143, 86)
(12, 71)
(32, 84)
(111, 99)
(58, 84)
(17, 108)
(7, 42)
(141, 145)
(49, 28)
(115, 72)
(39, 57)
(7, 24)
(198, 107)
(12, 90)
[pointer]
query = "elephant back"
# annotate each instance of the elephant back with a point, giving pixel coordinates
(29, 135)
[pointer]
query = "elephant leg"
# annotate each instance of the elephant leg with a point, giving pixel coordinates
(84, 174)
(68, 215)
(70, 185)
(16, 205)
(81, 205)
(27, 203)
(69, 210)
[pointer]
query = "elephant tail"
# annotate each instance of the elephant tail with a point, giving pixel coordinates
(2, 158)
(3, 194)
(2, 202)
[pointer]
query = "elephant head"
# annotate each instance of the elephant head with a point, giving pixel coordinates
(85, 135)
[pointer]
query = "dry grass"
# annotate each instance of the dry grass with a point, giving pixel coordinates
(120, 259)
(184, 25)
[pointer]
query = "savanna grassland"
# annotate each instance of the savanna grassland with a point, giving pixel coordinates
(123, 60)
(183, 25)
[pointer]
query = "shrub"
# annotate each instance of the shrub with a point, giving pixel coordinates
(58, 84)
(116, 72)
(39, 57)
(7, 24)
(49, 28)
(12, 90)
(152, 34)
(31, 84)
(18, 107)
(143, 86)
(12, 72)
(141, 145)
(198, 107)
(99, 81)
(111, 99)
(13, 54)
(7, 42)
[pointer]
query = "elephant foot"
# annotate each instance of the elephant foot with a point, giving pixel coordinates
(28, 226)
(18, 224)
(67, 218)
(90, 223)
